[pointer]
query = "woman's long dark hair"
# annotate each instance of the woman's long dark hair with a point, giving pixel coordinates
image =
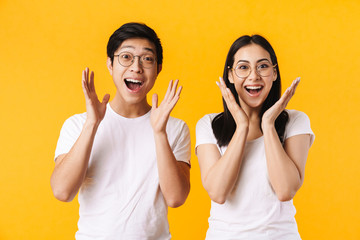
(224, 124)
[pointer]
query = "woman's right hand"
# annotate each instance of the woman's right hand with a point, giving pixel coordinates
(240, 117)
(94, 108)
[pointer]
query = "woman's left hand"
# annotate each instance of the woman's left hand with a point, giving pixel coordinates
(160, 114)
(272, 113)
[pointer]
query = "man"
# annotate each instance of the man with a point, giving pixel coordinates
(128, 160)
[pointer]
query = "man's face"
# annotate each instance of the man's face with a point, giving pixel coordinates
(132, 71)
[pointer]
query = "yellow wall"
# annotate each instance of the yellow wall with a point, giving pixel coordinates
(44, 46)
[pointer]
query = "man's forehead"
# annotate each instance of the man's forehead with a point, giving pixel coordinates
(138, 43)
(132, 47)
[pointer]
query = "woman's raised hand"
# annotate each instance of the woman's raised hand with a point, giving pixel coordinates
(94, 108)
(236, 111)
(272, 113)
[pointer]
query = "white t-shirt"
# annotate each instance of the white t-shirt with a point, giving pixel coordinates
(252, 211)
(121, 197)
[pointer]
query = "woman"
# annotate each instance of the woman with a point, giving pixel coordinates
(252, 156)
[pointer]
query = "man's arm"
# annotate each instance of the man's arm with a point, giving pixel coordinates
(70, 168)
(174, 176)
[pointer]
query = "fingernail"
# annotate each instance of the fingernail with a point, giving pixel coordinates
(217, 83)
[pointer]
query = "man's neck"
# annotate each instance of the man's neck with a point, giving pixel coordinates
(129, 110)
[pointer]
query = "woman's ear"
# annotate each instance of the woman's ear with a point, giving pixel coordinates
(275, 74)
(109, 65)
(230, 76)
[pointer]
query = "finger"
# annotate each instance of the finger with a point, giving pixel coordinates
(173, 90)
(84, 85)
(154, 101)
(179, 91)
(176, 98)
(168, 90)
(230, 95)
(87, 74)
(92, 85)
(289, 93)
(221, 87)
(87, 79)
(231, 100)
(106, 99)
(297, 81)
(293, 87)
(285, 98)
(224, 88)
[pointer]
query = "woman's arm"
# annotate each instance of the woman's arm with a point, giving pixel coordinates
(219, 173)
(286, 164)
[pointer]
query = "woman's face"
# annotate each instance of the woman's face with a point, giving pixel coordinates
(256, 75)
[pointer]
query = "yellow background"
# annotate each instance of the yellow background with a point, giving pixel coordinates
(44, 46)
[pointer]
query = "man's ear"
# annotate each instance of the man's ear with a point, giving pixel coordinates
(159, 67)
(109, 65)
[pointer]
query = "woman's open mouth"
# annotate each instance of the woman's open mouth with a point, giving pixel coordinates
(254, 90)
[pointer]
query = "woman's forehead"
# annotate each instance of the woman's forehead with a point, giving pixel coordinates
(251, 53)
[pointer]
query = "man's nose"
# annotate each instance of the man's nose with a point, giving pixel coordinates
(136, 64)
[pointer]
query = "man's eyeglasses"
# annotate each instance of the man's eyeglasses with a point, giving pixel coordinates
(126, 59)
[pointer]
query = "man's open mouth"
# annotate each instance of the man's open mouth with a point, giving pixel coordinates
(133, 84)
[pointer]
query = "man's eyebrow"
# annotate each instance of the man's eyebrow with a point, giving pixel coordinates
(149, 49)
(145, 48)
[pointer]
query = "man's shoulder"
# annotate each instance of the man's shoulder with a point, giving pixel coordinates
(176, 126)
(76, 120)
(176, 122)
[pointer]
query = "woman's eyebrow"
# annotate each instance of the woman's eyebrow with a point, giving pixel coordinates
(263, 59)
(246, 61)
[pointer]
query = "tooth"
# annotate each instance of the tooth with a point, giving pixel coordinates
(133, 80)
(253, 87)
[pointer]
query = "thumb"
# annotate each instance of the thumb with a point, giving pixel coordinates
(106, 98)
(154, 101)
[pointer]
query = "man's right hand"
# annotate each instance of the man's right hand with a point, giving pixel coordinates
(94, 108)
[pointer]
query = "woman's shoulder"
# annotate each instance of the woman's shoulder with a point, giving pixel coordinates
(296, 115)
(208, 117)
(299, 123)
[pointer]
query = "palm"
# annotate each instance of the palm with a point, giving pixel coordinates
(272, 113)
(236, 111)
(94, 108)
(160, 115)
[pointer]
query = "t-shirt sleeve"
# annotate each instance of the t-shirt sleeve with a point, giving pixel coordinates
(69, 133)
(204, 132)
(299, 123)
(182, 147)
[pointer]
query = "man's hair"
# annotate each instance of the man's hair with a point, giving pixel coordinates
(134, 30)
